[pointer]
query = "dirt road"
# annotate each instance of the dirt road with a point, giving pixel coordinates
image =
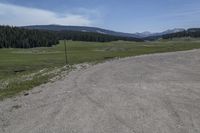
(157, 93)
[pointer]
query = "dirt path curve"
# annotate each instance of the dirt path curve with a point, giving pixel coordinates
(157, 93)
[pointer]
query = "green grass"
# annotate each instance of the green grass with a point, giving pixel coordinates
(15, 87)
(30, 61)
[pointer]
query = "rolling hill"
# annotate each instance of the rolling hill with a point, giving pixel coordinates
(82, 29)
(101, 31)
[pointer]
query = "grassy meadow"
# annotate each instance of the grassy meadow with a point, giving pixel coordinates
(22, 69)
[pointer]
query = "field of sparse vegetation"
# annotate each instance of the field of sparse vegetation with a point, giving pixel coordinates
(22, 69)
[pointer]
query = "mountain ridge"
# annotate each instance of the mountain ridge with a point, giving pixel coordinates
(54, 27)
(80, 28)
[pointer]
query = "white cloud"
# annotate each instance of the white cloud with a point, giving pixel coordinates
(20, 16)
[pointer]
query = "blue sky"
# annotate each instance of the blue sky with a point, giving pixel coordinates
(119, 15)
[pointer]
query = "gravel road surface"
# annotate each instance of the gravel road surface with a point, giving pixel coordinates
(157, 93)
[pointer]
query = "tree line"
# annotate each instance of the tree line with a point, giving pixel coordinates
(15, 37)
(91, 37)
(194, 32)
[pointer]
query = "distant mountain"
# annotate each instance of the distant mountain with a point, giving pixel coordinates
(192, 33)
(149, 34)
(82, 29)
(173, 31)
(145, 34)
(155, 36)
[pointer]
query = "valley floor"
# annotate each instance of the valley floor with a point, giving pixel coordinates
(156, 93)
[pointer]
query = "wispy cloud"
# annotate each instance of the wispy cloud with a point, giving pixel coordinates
(19, 15)
(179, 14)
(184, 13)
